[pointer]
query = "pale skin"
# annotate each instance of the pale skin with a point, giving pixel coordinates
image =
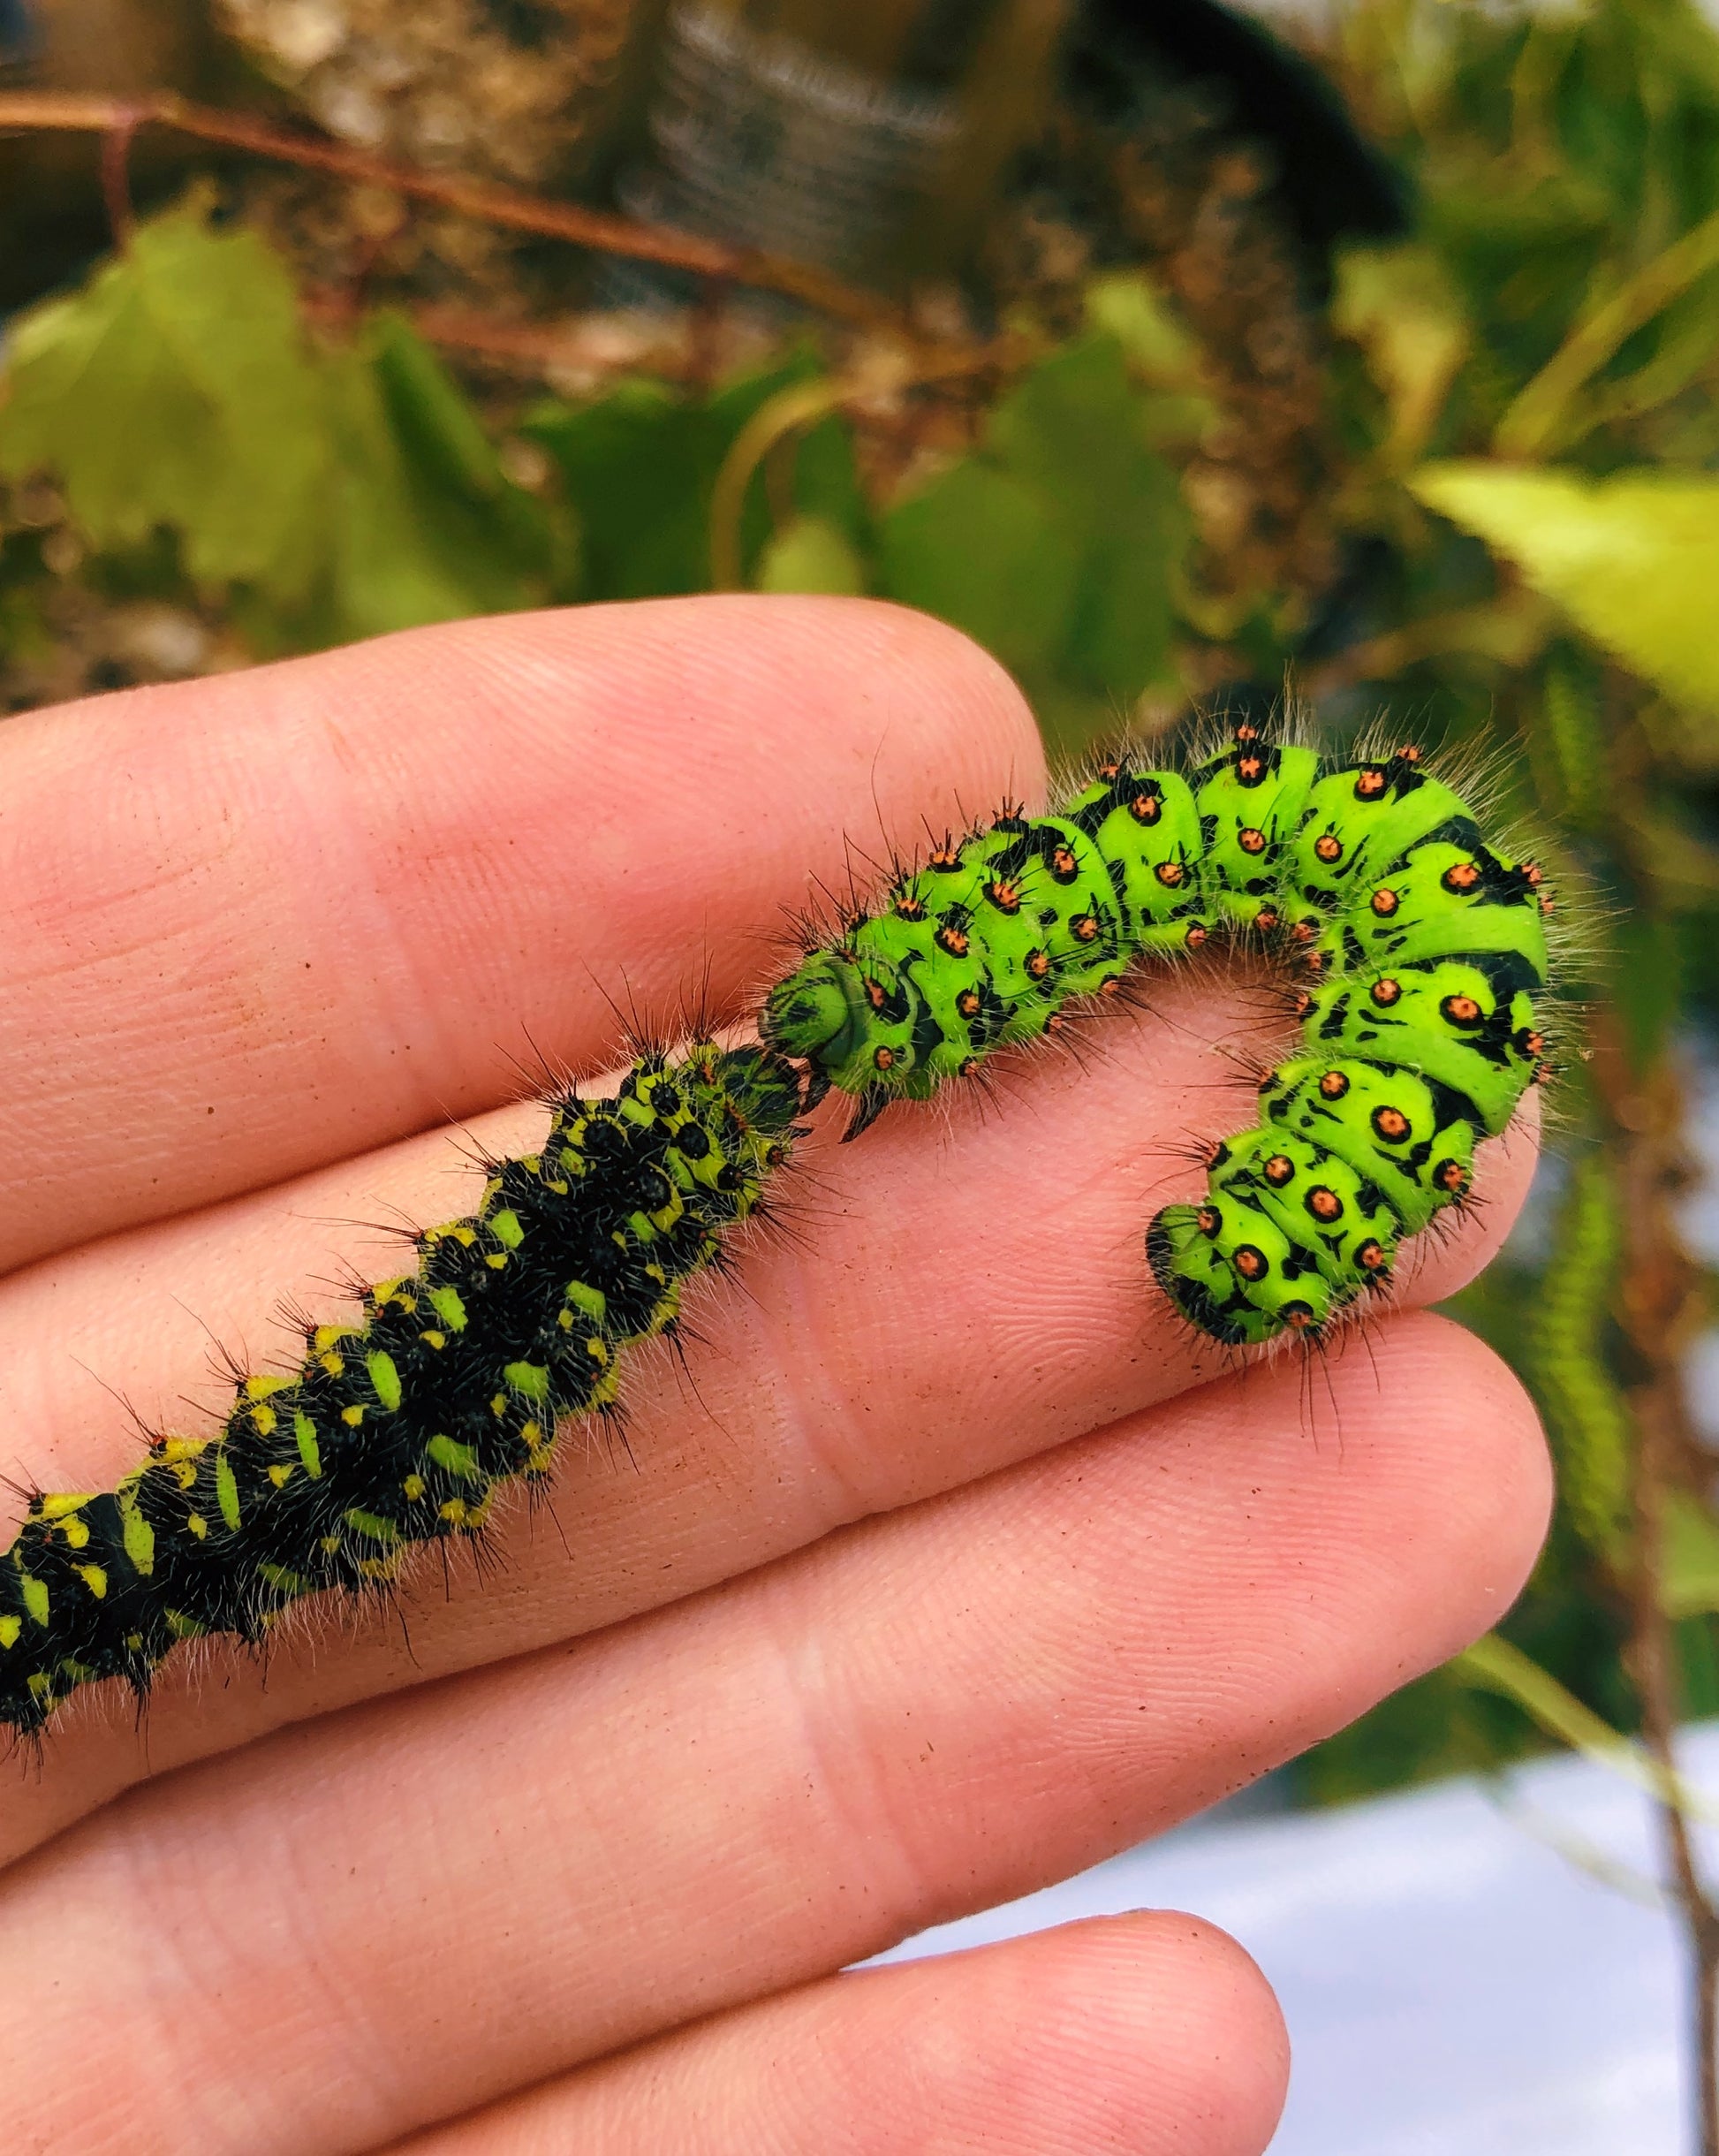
(947, 1564)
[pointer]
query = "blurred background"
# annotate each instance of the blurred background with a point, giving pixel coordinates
(1171, 350)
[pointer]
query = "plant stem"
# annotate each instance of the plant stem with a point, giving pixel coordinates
(1660, 1306)
(486, 199)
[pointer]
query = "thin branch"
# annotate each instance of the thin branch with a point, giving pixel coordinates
(116, 182)
(485, 200)
(1661, 1304)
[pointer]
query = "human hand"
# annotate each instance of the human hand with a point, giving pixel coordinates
(948, 1564)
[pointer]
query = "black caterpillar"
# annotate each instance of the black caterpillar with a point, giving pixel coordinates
(397, 1429)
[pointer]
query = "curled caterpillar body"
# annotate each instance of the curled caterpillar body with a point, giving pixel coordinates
(1420, 949)
(398, 1428)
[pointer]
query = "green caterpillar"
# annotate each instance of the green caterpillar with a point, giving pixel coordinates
(1419, 950)
(1422, 951)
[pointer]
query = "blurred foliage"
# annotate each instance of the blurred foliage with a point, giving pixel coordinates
(1524, 526)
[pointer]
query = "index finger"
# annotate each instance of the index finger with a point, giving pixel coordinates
(256, 923)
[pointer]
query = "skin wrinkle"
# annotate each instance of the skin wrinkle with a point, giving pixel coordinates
(856, 2064)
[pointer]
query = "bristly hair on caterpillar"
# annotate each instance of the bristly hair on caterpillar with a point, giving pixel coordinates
(398, 1428)
(1416, 947)
(1413, 947)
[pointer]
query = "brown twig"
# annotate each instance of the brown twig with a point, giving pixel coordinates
(485, 200)
(116, 179)
(1660, 1305)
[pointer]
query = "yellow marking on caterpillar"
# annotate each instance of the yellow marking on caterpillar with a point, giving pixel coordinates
(281, 1473)
(196, 1524)
(278, 1577)
(455, 1457)
(373, 1525)
(454, 1510)
(530, 1378)
(414, 1486)
(137, 1535)
(305, 1432)
(226, 1490)
(73, 1531)
(263, 1419)
(60, 1506)
(496, 1260)
(95, 1578)
(330, 1336)
(434, 1339)
(449, 1307)
(385, 1376)
(35, 1592)
(10, 1628)
(354, 1416)
(334, 1365)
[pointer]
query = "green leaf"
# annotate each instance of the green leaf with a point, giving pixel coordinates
(1055, 544)
(457, 474)
(404, 547)
(639, 465)
(636, 467)
(982, 549)
(1129, 308)
(176, 390)
(810, 554)
(1074, 429)
(1634, 560)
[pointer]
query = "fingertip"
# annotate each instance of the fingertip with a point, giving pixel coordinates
(1487, 1460)
(1170, 2019)
(1439, 1264)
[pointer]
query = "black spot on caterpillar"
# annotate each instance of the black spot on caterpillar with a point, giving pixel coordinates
(1420, 949)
